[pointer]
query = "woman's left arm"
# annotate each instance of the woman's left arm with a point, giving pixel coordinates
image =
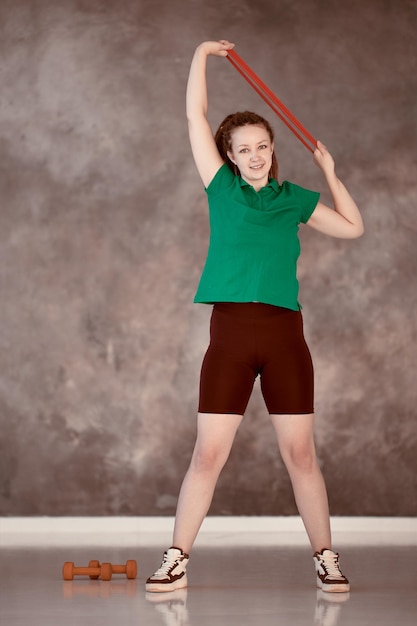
(344, 220)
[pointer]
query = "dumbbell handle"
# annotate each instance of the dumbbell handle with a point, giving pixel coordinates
(69, 571)
(87, 571)
(129, 568)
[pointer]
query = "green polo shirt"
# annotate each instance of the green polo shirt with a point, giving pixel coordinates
(254, 245)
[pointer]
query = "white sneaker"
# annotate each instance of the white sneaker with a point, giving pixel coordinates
(329, 576)
(171, 575)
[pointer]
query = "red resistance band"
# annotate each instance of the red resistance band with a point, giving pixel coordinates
(271, 99)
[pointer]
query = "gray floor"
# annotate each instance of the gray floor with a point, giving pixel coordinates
(232, 586)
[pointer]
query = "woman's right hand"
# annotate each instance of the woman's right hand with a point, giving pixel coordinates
(216, 48)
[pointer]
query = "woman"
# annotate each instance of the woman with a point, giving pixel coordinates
(256, 324)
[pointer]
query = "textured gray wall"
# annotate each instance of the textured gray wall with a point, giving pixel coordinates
(103, 233)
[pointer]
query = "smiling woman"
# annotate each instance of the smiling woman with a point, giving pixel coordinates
(246, 142)
(250, 276)
(251, 152)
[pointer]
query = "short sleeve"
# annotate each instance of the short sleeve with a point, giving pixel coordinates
(223, 179)
(307, 201)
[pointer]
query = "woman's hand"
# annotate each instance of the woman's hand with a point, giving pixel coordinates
(344, 220)
(217, 48)
(324, 159)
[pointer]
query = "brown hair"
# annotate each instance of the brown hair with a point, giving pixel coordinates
(223, 137)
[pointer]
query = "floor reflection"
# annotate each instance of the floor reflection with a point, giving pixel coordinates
(329, 607)
(234, 586)
(171, 606)
(71, 589)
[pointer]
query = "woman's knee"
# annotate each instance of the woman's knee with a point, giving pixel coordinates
(300, 457)
(208, 459)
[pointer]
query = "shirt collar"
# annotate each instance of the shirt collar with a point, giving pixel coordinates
(272, 183)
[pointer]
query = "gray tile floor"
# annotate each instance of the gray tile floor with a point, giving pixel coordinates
(228, 586)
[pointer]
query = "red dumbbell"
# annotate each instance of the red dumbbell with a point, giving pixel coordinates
(105, 571)
(130, 568)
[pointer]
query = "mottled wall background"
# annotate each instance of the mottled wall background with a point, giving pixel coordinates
(103, 232)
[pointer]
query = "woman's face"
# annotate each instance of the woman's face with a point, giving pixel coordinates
(251, 151)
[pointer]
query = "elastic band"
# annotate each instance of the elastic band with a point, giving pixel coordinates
(271, 100)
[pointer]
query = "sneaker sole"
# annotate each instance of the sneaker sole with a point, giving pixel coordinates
(164, 587)
(342, 588)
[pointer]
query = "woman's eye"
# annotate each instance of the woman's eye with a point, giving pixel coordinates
(243, 150)
(263, 146)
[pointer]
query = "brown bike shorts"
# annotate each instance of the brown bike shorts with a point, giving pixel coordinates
(251, 339)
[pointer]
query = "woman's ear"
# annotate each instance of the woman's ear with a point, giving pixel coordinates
(230, 155)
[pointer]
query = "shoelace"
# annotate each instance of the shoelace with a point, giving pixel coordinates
(331, 564)
(166, 565)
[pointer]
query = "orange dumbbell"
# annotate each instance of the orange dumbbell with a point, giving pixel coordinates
(95, 565)
(130, 568)
(95, 570)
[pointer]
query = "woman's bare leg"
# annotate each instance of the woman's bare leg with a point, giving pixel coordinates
(296, 443)
(215, 436)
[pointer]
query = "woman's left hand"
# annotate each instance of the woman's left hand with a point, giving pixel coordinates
(344, 220)
(324, 159)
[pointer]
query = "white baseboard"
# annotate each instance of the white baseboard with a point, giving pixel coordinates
(242, 530)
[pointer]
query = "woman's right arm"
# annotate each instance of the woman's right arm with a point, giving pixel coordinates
(203, 146)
